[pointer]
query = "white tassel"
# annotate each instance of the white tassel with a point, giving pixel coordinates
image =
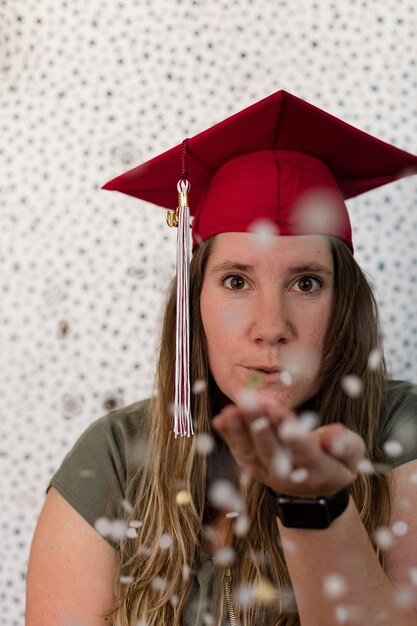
(183, 424)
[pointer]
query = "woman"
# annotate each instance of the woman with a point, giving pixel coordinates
(278, 509)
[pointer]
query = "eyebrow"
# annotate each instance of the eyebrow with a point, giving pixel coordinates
(243, 267)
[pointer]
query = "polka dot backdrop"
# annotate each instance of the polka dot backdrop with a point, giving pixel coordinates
(91, 89)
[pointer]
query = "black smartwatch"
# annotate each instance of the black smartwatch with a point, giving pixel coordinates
(308, 512)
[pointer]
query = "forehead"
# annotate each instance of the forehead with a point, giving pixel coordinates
(275, 249)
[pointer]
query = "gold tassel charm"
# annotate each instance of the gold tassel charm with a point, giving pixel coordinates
(172, 218)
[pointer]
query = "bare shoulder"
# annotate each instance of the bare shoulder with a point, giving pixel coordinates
(71, 569)
(401, 559)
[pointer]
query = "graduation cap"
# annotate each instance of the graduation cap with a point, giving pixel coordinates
(281, 159)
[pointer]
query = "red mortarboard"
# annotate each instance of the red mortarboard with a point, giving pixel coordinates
(261, 161)
(280, 159)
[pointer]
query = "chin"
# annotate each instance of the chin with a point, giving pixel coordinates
(289, 397)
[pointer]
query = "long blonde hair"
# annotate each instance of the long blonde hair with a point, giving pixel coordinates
(160, 578)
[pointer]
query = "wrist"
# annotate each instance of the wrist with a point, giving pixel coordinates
(308, 512)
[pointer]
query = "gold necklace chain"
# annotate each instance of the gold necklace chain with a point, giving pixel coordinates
(228, 590)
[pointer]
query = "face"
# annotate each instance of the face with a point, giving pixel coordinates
(265, 314)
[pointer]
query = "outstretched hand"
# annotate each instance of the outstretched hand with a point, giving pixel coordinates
(276, 447)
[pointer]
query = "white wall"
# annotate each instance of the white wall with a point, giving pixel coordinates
(90, 89)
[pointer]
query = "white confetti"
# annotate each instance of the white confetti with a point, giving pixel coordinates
(103, 526)
(131, 533)
(259, 424)
(223, 495)
(393, 448)
(159, 584)
(352, 385)
(87, 473)
(141, 622)
(224, 556)
(400, 528)
(365, 466)
(247, 399)
(127, 580)
(174, 600)
(265, 232)
(341, 613)
(241, 526)
(299, 363)
(204, 444)
(127, 506)
(404, 597)
(186, 570)
(243, 595)
(209, 534)
(405, 504)
(412, 572)
(314, 211)
(347, 613)
(413, 478)
(374, 359)
(208, 619)
(199, 386)
(309, 419)
(299, 475)
(286, 378)
(165, 541)
(334, 586)
(293, 429)
(135, 523)
(282, 463)
(232, 514)
(341, 443)
(289, 545)
(384, 538)
(119, 529)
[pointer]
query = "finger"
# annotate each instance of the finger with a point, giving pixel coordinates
(344, 445)
(264, 440)
(234, 432)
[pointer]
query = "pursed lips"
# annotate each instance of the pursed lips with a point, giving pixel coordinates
(271, 374)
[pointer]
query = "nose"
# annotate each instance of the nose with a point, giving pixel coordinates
(271, 320)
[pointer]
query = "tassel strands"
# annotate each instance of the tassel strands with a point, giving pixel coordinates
(182, 400)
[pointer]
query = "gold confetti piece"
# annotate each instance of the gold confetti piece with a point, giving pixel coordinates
(183, 497)
(255, 380)
(264, 591)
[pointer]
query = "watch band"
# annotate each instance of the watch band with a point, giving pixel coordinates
(316, 513)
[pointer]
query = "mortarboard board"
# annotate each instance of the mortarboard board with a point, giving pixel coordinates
(259, 162)
(276, 160)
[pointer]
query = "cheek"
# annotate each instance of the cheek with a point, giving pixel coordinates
(223, 324)
(221, 319)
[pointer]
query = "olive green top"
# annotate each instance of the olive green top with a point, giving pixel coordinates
(95, 473)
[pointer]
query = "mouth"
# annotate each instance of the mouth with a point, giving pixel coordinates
(269, 374)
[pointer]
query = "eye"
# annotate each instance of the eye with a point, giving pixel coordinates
(234, 282)
(309, 284)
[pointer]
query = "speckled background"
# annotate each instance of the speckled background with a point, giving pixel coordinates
(89, 89)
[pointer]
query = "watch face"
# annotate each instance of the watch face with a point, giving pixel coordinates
(304, 514)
